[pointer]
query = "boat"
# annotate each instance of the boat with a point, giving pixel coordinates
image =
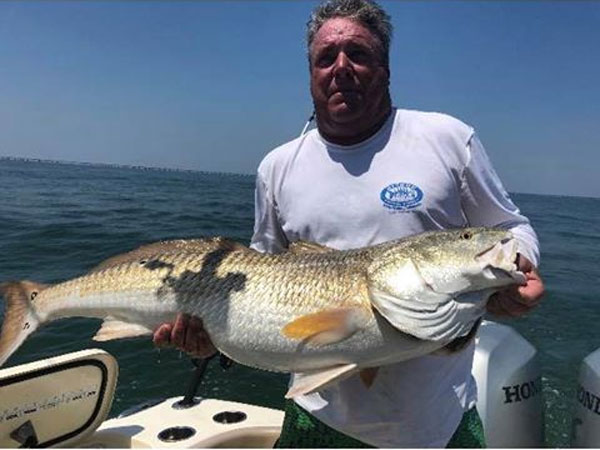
(585, 432)
(64, 401)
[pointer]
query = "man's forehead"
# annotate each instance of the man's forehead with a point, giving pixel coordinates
(341, 29)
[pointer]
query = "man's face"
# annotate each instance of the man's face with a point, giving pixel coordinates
(349, 83)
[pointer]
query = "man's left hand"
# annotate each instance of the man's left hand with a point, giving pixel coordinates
(518, 300)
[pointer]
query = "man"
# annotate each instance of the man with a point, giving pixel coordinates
(371, 173)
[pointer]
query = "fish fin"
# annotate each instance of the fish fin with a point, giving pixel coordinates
(368, 376)
(20, 318)
(117, 329)
(308, 247)
(309, 382)
(157, 249)
(325, 327)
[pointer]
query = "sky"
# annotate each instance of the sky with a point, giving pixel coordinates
(214, 86)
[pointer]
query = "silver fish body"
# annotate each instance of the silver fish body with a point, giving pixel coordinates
(312, 309)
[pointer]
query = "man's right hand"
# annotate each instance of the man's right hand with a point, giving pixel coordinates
(186, 334)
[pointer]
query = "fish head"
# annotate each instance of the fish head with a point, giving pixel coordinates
(449, 262)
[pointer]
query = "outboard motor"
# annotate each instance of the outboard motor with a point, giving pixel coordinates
(586, 417)
(509, 386)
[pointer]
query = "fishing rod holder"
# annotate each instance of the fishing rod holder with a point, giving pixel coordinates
(190, 399)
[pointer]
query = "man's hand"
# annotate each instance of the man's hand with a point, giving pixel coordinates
(186, 334)
(518, 300)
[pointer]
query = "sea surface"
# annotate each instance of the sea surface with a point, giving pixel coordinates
(59, 220)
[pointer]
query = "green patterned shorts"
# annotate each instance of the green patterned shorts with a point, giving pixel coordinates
(301, 430)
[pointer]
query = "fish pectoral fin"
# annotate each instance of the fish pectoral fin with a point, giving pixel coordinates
(308, 247)
(327, 326)
(309, 382)
(117, 329)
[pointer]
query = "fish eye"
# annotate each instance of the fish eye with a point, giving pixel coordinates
(466, 235)
(142, 262)
(33, 295)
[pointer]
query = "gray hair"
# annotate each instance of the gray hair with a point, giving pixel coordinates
(366, 12)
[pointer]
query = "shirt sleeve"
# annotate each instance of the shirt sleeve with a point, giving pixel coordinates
(485, 202)
(268, 235)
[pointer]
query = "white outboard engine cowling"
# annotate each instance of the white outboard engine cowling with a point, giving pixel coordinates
(509, 387)
(586, 417)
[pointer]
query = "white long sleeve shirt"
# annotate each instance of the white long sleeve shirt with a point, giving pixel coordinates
(419, 172)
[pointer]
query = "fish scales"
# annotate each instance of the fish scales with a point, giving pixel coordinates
(311, 309)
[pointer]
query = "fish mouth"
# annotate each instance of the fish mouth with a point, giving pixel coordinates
(500, 261)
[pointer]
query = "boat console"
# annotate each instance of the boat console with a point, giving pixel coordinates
(56, 402)
(64, 402)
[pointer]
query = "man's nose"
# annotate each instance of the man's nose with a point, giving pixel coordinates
(342, 66)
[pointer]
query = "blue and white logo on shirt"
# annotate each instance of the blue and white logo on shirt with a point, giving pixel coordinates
(401, 196)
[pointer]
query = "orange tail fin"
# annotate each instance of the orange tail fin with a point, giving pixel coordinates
(20, 319)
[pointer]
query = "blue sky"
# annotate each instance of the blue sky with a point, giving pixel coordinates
(215, 85)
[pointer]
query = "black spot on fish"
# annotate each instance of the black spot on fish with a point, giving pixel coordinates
(157, 264)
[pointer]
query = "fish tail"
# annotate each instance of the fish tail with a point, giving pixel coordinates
(20, 318)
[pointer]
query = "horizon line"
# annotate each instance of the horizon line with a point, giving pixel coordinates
(176, 169)
(117, 165)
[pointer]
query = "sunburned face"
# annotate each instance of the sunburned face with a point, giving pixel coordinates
(349, 83)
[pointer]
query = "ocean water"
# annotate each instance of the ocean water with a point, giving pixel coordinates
(59, 220)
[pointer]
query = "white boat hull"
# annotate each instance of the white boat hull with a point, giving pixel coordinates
(64, 401)
(165, 426)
